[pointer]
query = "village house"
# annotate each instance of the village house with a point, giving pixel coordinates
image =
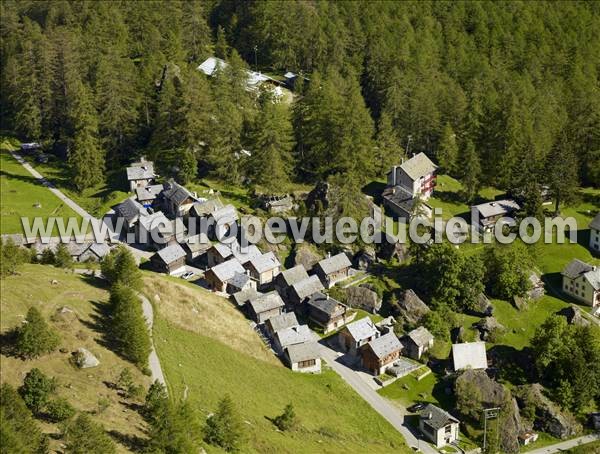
(263, 268)
(595, 234)
(147, 195)
(265, 306)
(94, 252)
(242, 297)
(438, 426)
(303, 358)
(140, 174)
(220, 221)
(416, 176)
(280, 322)
(154, 229)
(177, 200)
(218, 276)
(469, 355)
(196, 247)
(130, 211)
(333, 269)
(485, 215)
(582, 282)
(300, 291)
(277, 204)
(417, 342)
(205, 207)
(239, 283)
(380, 353)
(293, 335)
(221, 252)
(327, 312)
(284, 280)
(170, 259)
(356, 334)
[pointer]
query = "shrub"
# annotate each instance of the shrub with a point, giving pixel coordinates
(59, 410)
(62, 257)
(82, 435)
(287, 420)
(36, 337)
(36, 390)
(224, 428)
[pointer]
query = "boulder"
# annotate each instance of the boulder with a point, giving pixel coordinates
(548, 416)
(364, 258)
(520, 302)
(573, 316)
(85, 359)
(411, 308)
(305, 256)
(319, 198)
(489, 327)
(363, 298)
(457, 335)
(483, 306)
(389, 249)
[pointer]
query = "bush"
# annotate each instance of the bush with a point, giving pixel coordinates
(224, 428)
(36, 337)
(59, 410)
(11, 257)
(62, 257)
(83, 435)
(36, 390)
(287, 420)
(47, 257)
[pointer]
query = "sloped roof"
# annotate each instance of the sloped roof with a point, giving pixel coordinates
(176, 193)
(149, 192)
(242, 297)
(222, 249)
(418, 166)
(130, 209)
(497, 207)
(576, 268)
(171, 253)
(266, 302)
(324, 303)
(226, 270)
(225, 215)
(199, 242)
(436, 417)
(143, 171)
(384, 345)
(420, 336)
(244, 254)
(239, 280)
(264, 262)
(469, 355)
(335, 263)
(294, 275)
(155, 220)
(211, 64)
(282, 321)
(307, 287)
(362, 329)
(595, 224)
(207, 207)
(294, 335)
(302, 352)
(99, 249)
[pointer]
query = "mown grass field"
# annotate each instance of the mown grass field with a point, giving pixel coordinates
(22, 195)
(83, 388)
(209, 349)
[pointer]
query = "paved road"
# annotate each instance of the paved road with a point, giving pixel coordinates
(394, 415)
(153, 361)
(559, 447)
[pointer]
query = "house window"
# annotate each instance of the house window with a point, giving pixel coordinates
(448, 429)
(307, 363)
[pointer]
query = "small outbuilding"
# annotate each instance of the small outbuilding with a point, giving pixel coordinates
(303, 357)
(265, 306)
(417, 342)
(333, 269)
(170, 260)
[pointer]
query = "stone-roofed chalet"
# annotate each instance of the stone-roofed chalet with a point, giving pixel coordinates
(438, 426)
(380, 353)
(170, 259)
(279, 322)
(327, 312)
(293, 335)
(265, 306)
(415, 175)
(196, 246)
(244, 296)
(177, 200)
(263, 268)
(289, 277)
(300, 291)
(485, 215)
(155, 228)
(417, 342)
(333, 269)
(130, 211)
(147, 195)
(218, 276)
(356, 334)
(303, 357)
(140, 174)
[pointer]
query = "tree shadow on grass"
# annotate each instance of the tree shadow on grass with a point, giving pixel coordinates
(95, 281)
(8, 340)
(514, 366)
(129, 441)
(374, 189)
(100, 324)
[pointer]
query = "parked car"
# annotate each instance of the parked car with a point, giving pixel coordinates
(187, 275)
(416, 407)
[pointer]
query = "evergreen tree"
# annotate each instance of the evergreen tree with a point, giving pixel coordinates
(188, 166)
(287, 420)
(221, 46)
(447, 153)
(561, 171)
(119, 267)
(225, 427)
(156, 399)
(174, 428)
(36, 390)
(62, 257)
(471, 179)
(12, 257)
(388, 151)
(35, 337)
(83, 435)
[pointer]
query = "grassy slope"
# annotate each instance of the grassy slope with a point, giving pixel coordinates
(83, 388)
(19, 192)
(209, 361)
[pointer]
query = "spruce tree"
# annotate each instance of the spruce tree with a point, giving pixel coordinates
(36, 337)
(174, 428)
(119, 266)
(447, 153)
(471, 179)
(83, 435)
(62, 257)
(225, 427)
(388, 151)
(287, 420)
(188, 166)
(36, 390)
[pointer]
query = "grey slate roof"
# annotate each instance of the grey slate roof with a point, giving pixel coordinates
(418, 166)
(239, 280)
(265, 262)
(576, 268)
(595, 224)
(141, 171)
(156, 220)
(197, 243)
(436, 417)
(176, 193)
(282, 321)
(497, 207)
(362, 329)
(386, 344)
(245, 254)
(99, 249)
(335, 263)
(308, 286)
(225, 215)
(294, 275)
(469, 355)
(420, 336)
(149, 192)
(324, 303)
(206, 207)
(266, 302)
(171, 253)
(294, 335)
(226, 270)
(302, 352)
(130, 210)
(242, 297)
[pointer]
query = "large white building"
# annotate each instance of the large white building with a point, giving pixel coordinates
(595, 234)
(582, 281)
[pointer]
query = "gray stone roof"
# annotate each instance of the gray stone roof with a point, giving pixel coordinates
(302, 352)
(141, 171)
(294, 335)
(308, 286)
(207, 207)
(245, 295)
(384, 345)
(239, 280)
(497, 208)
(420, 336)
(99, 249)
(244, 254)
(149, 192)
(171, 253)
(436, 417)
(156, 220)
(294, 275)
(130, 210)
(225, 215)
(226, 270)
(197, 243)
(418, 166)
(282, 321)
(324, 303)
(335, 263)
(265, 262)
(469, 355)
(577, 268)
(362, 329)
(266, 302)
(176, 193)
(595, 224)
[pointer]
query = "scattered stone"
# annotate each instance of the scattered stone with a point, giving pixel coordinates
(84, 358)
(520, 302)
(489, 328)
(363, 298)
(483, 306)
(54, 282)
(65, 310)
(63, 350)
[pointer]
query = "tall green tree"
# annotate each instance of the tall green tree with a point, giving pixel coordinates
(83, 435)
(447, 153)
(36, 337)
(388, 150)
(471, 177)
(119, 267)
(224, 428)
(36, 390)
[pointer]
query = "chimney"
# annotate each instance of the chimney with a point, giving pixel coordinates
(329, 255)
(430, 415)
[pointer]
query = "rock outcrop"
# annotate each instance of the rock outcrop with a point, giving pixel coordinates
(363, 298)
(305, 256)
(573, 316)
(411, 308)
(85, 359)
(364, 258)
(489, 328)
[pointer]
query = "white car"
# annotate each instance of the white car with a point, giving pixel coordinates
(187, 275)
